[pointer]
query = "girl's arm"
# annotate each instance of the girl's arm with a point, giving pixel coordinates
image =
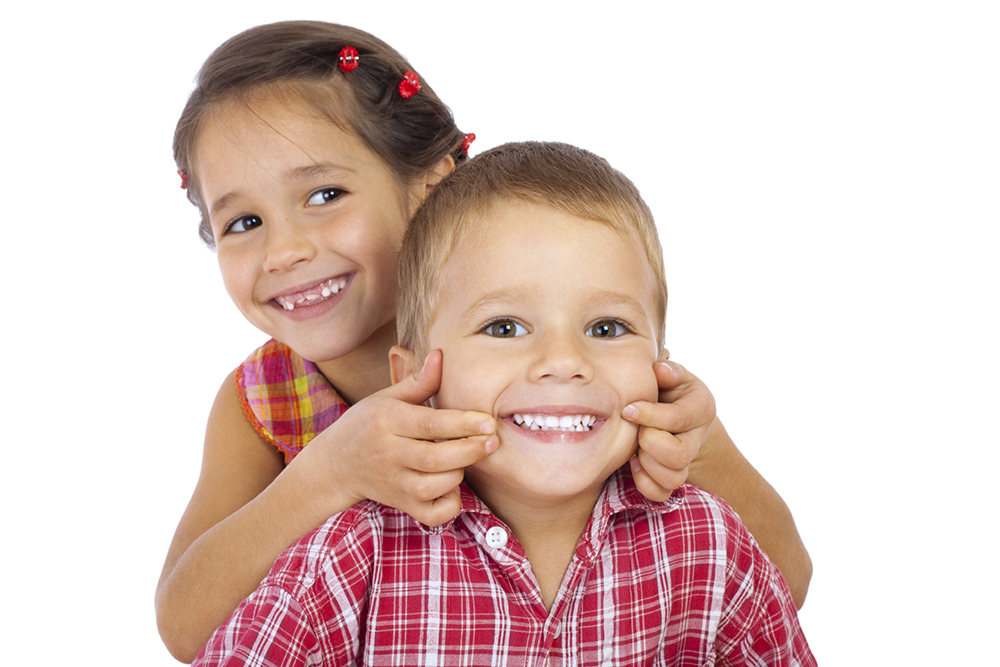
(248, 507)
(721, 468)
(703, 454)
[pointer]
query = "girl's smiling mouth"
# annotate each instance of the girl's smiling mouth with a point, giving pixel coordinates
(313, 296)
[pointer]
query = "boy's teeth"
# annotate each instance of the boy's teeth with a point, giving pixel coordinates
(325, 291)
(555, 422)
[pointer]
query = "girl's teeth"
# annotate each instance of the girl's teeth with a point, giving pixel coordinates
(329, 288)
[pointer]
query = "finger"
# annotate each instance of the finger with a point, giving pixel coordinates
(678, 417)
(646, 485)
(423, 423)
(438, 457)
(661, 475)
(665, 449)
(419, 387)
(670, 375)
(426, 487)
(437, 511)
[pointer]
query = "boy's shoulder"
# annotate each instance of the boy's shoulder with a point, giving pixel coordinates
(690, 533)
(344, 546)
(690, 508)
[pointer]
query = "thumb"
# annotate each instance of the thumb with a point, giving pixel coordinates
(419, 387)
(669, 374)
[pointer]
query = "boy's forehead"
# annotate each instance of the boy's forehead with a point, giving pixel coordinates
(480, 234)
(510, 232)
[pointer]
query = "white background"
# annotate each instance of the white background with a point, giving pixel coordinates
(825, 178)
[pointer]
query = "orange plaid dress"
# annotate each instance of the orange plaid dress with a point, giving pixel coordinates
(286, 398)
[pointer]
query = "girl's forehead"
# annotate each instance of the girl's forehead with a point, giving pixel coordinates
(287, 109)
(276, 137)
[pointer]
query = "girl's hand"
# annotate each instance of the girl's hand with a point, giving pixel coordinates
(672, 431)
(390, 448)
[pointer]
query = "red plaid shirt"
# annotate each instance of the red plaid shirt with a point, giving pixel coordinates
(674, 583)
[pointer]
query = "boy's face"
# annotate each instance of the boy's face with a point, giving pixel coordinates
(547, 319)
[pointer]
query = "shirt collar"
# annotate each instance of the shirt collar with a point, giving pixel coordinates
(619, 495)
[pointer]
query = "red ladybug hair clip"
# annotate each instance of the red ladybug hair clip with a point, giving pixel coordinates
(410, 85)
(348, 59)
(184, 178)
(466, 142)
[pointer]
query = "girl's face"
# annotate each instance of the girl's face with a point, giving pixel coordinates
(307, 223)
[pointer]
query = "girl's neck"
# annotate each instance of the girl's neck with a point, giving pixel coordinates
(365, 370)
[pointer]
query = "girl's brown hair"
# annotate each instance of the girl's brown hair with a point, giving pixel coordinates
(411, 135)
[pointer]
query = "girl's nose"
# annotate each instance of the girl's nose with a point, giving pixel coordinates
(561, 358)
(287, 246)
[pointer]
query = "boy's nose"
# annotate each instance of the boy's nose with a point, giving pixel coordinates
(287, 246)
(561, 358)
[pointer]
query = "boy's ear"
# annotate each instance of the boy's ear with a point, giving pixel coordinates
(402, 363)
(443, 168)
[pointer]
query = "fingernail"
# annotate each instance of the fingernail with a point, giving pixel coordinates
(634, 464)
(487, 426)
(492, 443)
(668, 366)
(426, 359)
(630, 411)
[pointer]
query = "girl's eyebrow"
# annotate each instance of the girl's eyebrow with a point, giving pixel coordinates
(302, 173)
(222, 202)
(308, 171)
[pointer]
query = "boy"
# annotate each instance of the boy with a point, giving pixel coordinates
(536, 270)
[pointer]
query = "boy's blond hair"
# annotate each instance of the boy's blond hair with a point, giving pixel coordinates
(559, 176)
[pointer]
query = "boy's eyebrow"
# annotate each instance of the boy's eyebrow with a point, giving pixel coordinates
(608, 297)
(498, 297)
(522, 293)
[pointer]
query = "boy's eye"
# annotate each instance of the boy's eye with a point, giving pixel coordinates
(244, 223)
(607, 329)
(505, 328)
(323, 196)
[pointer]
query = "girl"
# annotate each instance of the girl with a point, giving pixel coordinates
(307, 147)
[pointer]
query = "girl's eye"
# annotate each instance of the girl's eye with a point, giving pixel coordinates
(608, 329)
(324, 196)
(244, 223)
(504, 328)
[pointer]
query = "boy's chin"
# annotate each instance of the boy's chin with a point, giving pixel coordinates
(544, 480)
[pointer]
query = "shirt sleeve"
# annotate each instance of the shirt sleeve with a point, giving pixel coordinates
(759, 624)
(310, 610)
(269, 629)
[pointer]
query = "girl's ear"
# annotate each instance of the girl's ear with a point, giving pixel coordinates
(401, 363)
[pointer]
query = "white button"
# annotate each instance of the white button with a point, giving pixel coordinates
(558, 630)
(496, 537)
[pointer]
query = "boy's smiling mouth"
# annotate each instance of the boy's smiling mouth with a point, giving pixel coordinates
(551, 422)
(314, 295)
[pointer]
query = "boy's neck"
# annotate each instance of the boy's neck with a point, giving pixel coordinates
(548, 531)
(365, 370)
